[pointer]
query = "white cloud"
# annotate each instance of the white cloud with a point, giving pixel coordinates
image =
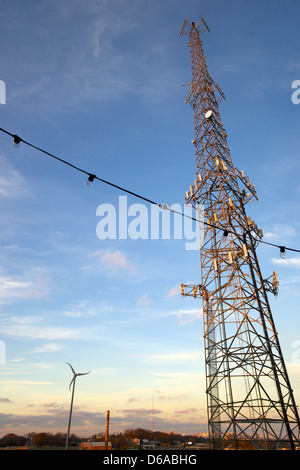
(114, 261)
(287, 262)
(280, 232)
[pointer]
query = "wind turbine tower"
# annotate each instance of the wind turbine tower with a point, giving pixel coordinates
(72, 383)
(250, 402)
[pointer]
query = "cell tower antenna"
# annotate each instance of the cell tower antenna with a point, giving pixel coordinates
(250, 402)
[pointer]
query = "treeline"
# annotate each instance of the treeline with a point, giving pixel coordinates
(163, 437)
(12, 440)
(38, 439)
(119, 440)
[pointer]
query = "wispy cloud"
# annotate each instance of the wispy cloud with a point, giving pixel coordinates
(171, 398)
(12, 183)
(80, 66)
(143, 301)
(187, 411)
(48, 347)
(22, 287)
(5, 400)
(140, 411)
(290, 281)
(184, 316)
(176, 357)
(26, 382)
(84, 308)
(174, 291)
(188, 316)
(179, 377)
(34, 327)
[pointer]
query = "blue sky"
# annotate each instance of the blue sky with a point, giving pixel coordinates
(99, 83)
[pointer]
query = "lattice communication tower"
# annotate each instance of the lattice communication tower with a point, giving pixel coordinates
(250, 402)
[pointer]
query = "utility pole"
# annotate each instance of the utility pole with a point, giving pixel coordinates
(250, 402)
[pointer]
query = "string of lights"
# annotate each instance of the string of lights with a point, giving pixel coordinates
(17, 140)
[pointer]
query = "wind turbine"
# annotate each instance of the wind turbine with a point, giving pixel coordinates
(75, 375)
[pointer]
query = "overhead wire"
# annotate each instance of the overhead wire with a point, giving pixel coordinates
(92, 177)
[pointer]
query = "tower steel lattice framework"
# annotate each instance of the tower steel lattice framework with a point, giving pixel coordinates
(250, 401)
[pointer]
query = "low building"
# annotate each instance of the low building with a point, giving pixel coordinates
(88, 445)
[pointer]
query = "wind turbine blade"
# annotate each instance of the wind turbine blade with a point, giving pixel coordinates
(71, 368)
(73, 380)
(85, 373)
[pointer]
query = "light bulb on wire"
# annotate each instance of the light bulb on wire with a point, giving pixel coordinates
(17, 141)
(224, 236)
(89, 182)
(282, 253)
